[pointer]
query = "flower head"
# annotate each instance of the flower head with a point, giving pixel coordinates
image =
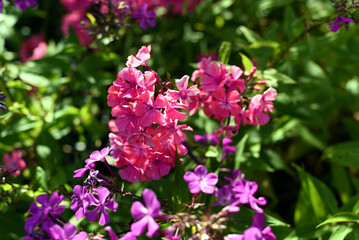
(145, 16)
(199, 180)
(102, 203)
(33, 48)
(146, 214)
(13, 161)
(334, 27)
(23, 5)
(67, 232)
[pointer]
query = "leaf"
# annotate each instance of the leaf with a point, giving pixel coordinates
(225, 52)
(212, 152)
(340, 233)
(316, 200)
(239, 158)
(247, 63)
(341, 217)
(344, 154)
(41, 177)
(250, 35)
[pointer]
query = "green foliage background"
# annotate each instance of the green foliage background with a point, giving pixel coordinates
(305, 160)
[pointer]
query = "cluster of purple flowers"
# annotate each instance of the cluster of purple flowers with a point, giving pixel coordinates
(23, 5)
(46, 221)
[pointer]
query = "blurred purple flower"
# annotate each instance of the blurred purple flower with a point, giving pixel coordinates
(255, 232)
(226, 149)
(334, 27)
(199, 180)
(23, 5)
(146, 215)
(102, 203)
(203, 139)
(67, 232)
(46, 214)
(245, 190)
(145, 17)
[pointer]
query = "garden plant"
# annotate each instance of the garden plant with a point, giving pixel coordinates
(179, 119)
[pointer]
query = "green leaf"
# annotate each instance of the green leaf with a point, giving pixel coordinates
(41, 177)
(247, 63)
(315, 202)
(250, 35)
(341, 217)
(341, 232)
(225, 52)
(180, 191)
(239, 158)
(212, 152)
(344, 154)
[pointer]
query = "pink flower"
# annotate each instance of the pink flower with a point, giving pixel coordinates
(141, 57)
(225, 104)
(199, 180)
(184, 92)
(214, 76)
(260, 103)
(13, 161)
(146, 215)
(245, 190)
(33, 48)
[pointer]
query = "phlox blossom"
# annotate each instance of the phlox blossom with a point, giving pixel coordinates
(334, 27)
(13, 161)
(146, 214)
(201, 180)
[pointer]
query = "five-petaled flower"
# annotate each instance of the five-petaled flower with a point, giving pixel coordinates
(102, 203)
(146, 215)
(199, 180)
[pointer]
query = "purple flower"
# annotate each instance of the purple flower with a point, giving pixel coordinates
(146, 215)
(128, 236)
(68, 232)
(144, 16)
(214, 140)
(80, 201)
(102, 203)
(255, 232)
(2, 104)
(200, 180)
(334, 27)
(245, 190)
(46, 214)
(98, 155)
(1, 6)
(226, 149)
(23, 5)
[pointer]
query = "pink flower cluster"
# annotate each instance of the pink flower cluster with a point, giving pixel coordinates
(146, 134)
(13, 161)
(224, 95)
(76, 17)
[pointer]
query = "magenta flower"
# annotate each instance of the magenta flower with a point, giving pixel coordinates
(67, 232)
(13, 161)
(46, 214)
(79, 203)
(245, 190)
(146, 215)
(23, 5)
(141, 57)
(199, 180)
(146, 17)
(98, 155)
(102, 203)
(226, 148)
(255, 232)
(334, 27)
(33, 48)
(203, 139)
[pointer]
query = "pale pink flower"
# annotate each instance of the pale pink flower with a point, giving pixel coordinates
(141, 57)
